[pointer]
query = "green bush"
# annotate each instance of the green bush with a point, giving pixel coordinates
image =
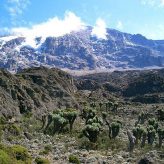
(92, 131)
(59, 123)
(14, 129)
(87, 114)
(14, 155)
(2, 120)
(70, 114)
(115, 128)
(137, 132)
(20, 153)
(93, 128)
(153, 123)
(151, 134)
(74, 159)
(4, 158)
(40, 160)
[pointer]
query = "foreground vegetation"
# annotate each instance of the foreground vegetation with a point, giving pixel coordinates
(102, 127)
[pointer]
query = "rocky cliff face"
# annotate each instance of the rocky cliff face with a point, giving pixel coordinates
(36, 90)
(82, 51)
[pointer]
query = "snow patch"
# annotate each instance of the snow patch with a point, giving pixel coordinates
(8, 38)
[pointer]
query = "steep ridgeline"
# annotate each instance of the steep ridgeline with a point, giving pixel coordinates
(82, 51)
(36, 90)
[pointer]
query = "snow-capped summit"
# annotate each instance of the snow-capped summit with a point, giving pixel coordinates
(81, 50)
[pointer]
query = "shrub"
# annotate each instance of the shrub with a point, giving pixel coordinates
(4, 157)
(92, 131)
(70, 115)
(14, 155)
(20, 153)
(92, 128)
(115, 128)
(154, 123)
(59, 123)
(2, 120)
(95, 120)
(14, 129)
(60, 119)
(74, 159)
(151, 134)
(137, 132)
(88, 114)
(40, 160)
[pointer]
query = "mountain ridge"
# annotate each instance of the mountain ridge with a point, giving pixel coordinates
(82, 51)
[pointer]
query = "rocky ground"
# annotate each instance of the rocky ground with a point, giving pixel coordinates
(61, 146)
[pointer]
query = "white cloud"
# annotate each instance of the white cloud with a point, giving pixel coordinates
(99, 30)
(153, 3)
(54, 27)
(119, 25)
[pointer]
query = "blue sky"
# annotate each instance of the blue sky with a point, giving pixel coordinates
(132, 16)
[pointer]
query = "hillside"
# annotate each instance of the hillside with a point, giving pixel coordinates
(36, 90)
(50, 116)
(138, 86)
(42, 89)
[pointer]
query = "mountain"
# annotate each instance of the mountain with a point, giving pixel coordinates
(82, 51)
